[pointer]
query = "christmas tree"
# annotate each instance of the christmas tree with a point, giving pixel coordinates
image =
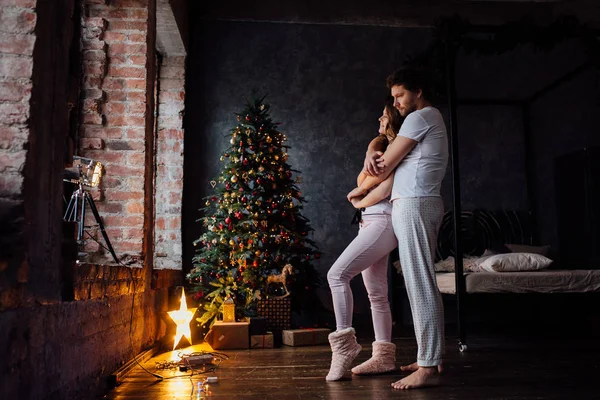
(254, 228)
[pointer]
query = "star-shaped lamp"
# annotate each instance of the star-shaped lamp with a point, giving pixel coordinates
(182, 319)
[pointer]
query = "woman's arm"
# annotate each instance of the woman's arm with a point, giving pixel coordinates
(395, 153)
(374, 151)
(376, 195)
(361, 177)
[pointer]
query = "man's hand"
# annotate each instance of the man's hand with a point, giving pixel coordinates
(380, 162)
(357, 192)
(371, 167)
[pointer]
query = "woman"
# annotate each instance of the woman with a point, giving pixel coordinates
(367, 254)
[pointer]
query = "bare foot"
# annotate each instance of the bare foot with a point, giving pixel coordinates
(422, 377)
(414, 366)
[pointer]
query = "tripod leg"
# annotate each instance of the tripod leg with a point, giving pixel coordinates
(81, 224)
(101, 225)
(69, 213)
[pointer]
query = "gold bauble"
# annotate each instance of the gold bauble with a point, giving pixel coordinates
(226, 195)
(257, 253)
(251, 172)
(258, 202)
(231, 242)
(207, 203)
(261, 168)
(234, 179)
(223, 240)
(232, 141)
(222, 158)
(276, 157)
(268, 139)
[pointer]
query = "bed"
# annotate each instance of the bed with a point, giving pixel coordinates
(546, 291)
(544, 282)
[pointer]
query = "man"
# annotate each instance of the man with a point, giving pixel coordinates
(419, 156)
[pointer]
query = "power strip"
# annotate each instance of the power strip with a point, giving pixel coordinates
(198, 360)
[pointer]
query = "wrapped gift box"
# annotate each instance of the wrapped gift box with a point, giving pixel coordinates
(258, 325)
(305, 337)
(262, 341)
(228, 335)
(277, 312)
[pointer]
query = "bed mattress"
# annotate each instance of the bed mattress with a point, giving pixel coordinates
(549, 281)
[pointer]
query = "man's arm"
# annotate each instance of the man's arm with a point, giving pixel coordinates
(376, 195)
(395, 153)
(374, 151)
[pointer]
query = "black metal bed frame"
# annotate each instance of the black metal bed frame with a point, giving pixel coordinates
(451, 47)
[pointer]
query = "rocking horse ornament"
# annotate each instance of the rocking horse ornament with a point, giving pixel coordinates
(281, 278)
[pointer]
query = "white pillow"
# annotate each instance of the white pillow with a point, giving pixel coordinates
(514, 262)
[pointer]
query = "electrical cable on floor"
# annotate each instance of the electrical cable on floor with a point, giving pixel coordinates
(186, 360)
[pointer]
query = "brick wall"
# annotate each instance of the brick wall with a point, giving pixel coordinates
(169, 161)
(114, 116)
(17, 40)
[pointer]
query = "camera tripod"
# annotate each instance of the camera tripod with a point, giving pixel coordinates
(76, 213)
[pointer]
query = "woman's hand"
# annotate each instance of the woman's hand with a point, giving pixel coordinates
(357, 192)
(356, 202)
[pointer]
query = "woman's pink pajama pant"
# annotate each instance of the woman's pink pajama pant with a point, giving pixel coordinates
(367, 254)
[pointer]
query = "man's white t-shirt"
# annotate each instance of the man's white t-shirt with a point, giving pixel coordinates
(420, 173)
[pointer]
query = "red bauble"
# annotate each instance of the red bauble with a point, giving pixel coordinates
(244, 199)
(227, 186)
(213, 198)
(284, 214)
(317, 255)
(255, 263)
(241, 190)
(245, 162)
(226, 155)
(252, 148)
(247, 118)
(273, 204)
(227, 220)
(238, 214)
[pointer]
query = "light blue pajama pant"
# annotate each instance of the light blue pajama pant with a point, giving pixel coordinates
(416, 222)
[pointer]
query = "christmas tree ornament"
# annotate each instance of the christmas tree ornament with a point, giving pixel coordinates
(213, 184)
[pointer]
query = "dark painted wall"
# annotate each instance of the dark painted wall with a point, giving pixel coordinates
(326, 84)
(564, 120)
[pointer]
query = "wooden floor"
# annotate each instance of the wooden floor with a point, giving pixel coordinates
(500, 367)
